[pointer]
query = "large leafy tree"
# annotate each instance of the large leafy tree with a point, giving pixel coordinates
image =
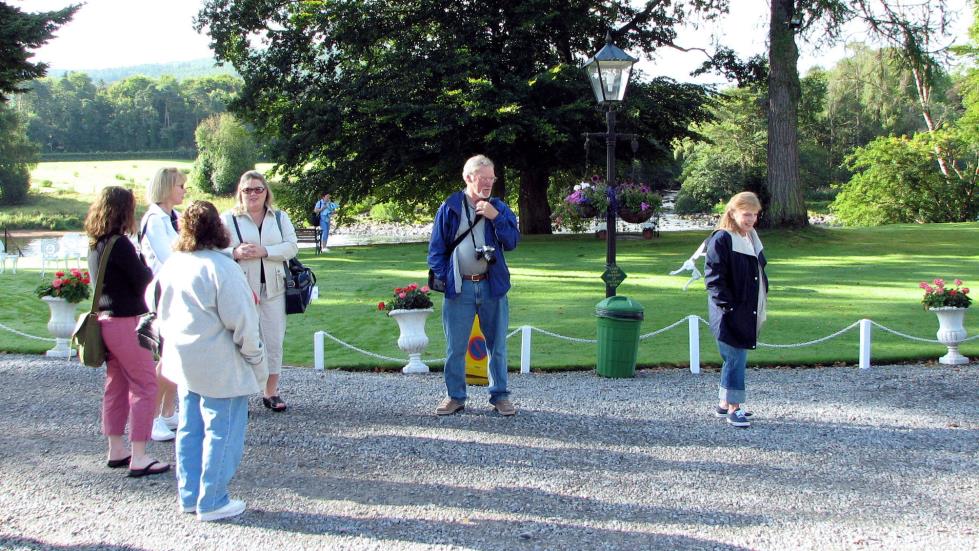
(21, 32)
(914, 29)
(387, 98)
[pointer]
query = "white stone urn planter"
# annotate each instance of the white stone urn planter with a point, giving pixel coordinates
(61, 325)
(413, 339)
(951, 332)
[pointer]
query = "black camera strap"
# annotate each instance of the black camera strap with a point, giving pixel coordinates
(471, 223)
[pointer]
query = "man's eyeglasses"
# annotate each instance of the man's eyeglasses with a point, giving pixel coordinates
(252, 190)
(490, 179)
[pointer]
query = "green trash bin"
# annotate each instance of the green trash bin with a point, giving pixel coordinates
(619, 320)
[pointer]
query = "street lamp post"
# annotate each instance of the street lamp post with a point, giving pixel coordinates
(609, 71)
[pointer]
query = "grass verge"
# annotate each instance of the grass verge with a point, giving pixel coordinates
(821, 281)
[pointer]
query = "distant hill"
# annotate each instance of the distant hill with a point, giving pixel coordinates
(180, 70)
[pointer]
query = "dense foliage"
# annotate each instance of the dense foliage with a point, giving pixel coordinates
(20, 33)
(17, 156)
(389, 98)
(226, 150)
(73, 114)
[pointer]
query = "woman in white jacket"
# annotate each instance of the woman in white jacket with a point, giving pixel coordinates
(262, 242)
(209, 326)
(157, 234)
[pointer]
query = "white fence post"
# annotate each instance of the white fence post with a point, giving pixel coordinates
(318, 350)
(693, 324)
(865, 341)
(525, 348)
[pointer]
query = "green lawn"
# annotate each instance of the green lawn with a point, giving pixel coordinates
(821, 281)
(62, 191)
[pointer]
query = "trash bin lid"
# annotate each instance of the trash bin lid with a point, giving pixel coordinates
(619, 307)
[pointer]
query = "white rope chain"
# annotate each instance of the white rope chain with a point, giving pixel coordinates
(667, 328)
(16, 332)
(556, 336)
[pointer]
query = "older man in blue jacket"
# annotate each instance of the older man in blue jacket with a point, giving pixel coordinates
(470, 233)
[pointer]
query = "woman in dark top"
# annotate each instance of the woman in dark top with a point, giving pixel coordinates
(737, 288)
(130, 377)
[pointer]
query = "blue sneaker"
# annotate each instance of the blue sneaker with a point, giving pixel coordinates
(722, 412)
(737, 418)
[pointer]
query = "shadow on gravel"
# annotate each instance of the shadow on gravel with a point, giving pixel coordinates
(373, 492)
(473, 533)
(18, 544)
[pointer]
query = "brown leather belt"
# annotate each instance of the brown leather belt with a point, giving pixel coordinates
(474, 277)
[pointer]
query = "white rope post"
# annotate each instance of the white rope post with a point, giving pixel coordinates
(318, 351)
(693, 324)
(865, 338)
(525, 331)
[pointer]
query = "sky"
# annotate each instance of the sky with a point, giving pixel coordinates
(120, 33)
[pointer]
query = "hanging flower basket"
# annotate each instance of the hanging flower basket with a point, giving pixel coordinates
(586, 210)
(633, 216)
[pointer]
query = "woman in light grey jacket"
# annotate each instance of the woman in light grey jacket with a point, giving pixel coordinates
(262, 242)
(209, 325)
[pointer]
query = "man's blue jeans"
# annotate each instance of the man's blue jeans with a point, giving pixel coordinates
(210, 443)
(457, 321)
(731, 388)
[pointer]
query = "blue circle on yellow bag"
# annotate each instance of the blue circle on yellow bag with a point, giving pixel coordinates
(477, 347)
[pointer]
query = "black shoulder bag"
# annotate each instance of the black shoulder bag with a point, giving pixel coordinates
(299, 279)
(437, 284)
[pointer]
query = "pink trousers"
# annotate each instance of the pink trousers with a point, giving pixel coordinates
(130, 381)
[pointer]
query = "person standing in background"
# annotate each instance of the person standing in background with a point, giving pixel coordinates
(263, 240)
(130, 374)
(210, 332)
(737, 290)
(469, 235)
(157, 234)
(325, 208)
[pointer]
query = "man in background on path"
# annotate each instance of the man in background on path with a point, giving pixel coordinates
(470, 233)
(325, 208)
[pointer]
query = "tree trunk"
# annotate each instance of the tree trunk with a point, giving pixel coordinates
(787, 207)
(535, 213)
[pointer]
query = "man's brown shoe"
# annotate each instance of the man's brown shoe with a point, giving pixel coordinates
(449, 406)
(505, 407)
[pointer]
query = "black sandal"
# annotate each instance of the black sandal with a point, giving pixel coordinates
(274, 403)
(148, 470)
(118, 463)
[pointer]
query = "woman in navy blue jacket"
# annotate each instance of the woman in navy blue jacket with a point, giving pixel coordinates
(737, 288)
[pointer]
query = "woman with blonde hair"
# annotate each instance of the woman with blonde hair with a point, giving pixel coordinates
(737, 289)
(210, 333)
(130, 375)
(157, 234)
(263, 240)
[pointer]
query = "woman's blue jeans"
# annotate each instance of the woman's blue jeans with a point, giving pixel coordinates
(457, 321)
(731, 388)
(325, 226)
(210, 443)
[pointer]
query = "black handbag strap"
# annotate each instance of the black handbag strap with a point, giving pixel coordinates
(100, 277)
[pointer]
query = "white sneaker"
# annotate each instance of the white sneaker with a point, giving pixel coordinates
(171, 421)
(234, 508)
(326, 249)
(191, 509)
(161, 432)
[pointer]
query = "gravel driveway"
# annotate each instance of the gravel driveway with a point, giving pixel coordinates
(836, 459)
